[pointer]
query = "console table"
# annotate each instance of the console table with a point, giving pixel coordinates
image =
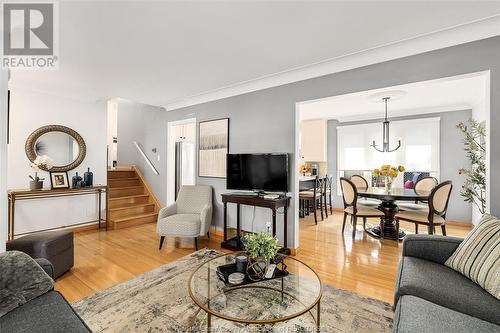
(16, 195)
(235, 243)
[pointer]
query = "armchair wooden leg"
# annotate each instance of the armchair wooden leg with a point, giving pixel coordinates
(162, 238)
(416, 228)
(208, 234)
(443, 229)
(196, 243)
(364, 223)
(343, 224)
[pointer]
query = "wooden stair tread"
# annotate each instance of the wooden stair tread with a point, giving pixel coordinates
(125, 178)
(130, 206)
(136, 216)
(129, 197)
(127, 187)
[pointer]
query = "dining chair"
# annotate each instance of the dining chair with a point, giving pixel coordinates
(435, 214)
(351, 207)
(362, 184)
(312, 198)
(328, 194)
(423, 185)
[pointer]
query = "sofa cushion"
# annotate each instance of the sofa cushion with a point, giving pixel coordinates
(415, 314)
(444, 286)
(21, 280)
(47, 313)
(478, 257)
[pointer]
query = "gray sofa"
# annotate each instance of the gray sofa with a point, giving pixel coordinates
(431, 297)
(49, 312)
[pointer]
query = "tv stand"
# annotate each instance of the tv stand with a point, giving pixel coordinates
(235, 243)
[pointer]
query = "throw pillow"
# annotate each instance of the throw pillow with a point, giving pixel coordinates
(21, 280)
(478, 256)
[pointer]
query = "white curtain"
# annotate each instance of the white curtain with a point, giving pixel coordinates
(419, 146)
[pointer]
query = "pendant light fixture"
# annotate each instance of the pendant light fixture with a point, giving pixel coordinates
(385, 144)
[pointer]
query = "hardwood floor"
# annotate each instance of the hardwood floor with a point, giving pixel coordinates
(366, 265)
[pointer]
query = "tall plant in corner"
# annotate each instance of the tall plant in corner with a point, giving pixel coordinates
(474, 187)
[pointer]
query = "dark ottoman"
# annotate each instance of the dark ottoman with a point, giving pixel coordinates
(55, 246)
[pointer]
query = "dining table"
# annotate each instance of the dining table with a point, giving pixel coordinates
(388, 205)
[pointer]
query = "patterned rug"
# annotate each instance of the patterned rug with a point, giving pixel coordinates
(158, 301)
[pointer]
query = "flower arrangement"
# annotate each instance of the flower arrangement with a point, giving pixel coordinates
(389, 172)
(40, 162)
(304, 168)
(261, 246)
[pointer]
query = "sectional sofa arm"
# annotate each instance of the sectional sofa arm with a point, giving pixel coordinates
(46, 266)
(430, 247)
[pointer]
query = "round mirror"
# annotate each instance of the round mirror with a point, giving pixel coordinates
(61, 144)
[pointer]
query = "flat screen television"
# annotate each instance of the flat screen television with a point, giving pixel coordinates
(257, 172)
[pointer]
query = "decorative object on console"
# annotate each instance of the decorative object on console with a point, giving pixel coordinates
(213, 148)
(75, 180)
(88, 177)
(390, 172)
(64, 146)
(59, 180)
(40, 163)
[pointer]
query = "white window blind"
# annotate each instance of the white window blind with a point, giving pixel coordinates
(419, 145)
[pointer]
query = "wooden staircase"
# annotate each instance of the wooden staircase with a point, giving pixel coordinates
(131, 201)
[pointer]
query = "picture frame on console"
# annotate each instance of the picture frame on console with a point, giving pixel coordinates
(213, 146)
(59, 180)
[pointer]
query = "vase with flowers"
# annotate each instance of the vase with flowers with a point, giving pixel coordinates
(390, 173)
(43, 161)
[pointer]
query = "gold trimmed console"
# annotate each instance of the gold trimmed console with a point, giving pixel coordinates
(16, 195)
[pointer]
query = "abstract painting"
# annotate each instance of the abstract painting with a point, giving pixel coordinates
(213, 147)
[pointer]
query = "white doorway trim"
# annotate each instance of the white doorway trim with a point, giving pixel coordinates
(171, 157)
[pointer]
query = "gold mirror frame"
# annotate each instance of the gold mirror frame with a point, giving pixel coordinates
(29, 147)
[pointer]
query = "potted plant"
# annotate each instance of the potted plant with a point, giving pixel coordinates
(261, 248)
(390, 172)
(36, 183)
(474, 187)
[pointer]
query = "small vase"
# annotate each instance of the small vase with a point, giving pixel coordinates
(388, 184)
(36, 185)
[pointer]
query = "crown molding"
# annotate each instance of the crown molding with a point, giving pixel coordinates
(460, 34)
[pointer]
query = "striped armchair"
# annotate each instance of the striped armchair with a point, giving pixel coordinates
(189, 216)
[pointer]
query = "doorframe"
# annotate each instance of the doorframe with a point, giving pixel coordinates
(170, 179)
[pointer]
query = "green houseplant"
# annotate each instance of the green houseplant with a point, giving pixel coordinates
(261, 248)
(474, 187)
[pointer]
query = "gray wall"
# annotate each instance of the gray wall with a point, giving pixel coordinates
(147, 125)
(264, 121)
(452, 156)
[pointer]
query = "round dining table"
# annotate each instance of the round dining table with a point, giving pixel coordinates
(388, 205)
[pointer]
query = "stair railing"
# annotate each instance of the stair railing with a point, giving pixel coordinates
(146, 158)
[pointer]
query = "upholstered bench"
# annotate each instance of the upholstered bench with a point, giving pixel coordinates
(55, 246)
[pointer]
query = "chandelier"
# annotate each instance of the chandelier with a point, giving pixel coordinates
(385, 134)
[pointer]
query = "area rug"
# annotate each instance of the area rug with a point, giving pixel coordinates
(158, 301)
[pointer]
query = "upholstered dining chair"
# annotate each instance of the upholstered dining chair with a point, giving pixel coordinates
(189, 216)
(351, 207)
(312, 199)
(423, 185)
(435, 214)
(362, 184)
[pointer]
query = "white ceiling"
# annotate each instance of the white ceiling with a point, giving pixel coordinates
(443, 95)
(161, 53)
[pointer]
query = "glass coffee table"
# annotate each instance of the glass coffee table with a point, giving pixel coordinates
(264, 302)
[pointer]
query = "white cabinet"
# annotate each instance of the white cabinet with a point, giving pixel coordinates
(313, 139)
(185, 132)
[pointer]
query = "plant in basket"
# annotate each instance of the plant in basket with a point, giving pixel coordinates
(261, 248)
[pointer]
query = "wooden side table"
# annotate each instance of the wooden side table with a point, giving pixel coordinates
(235, 243)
